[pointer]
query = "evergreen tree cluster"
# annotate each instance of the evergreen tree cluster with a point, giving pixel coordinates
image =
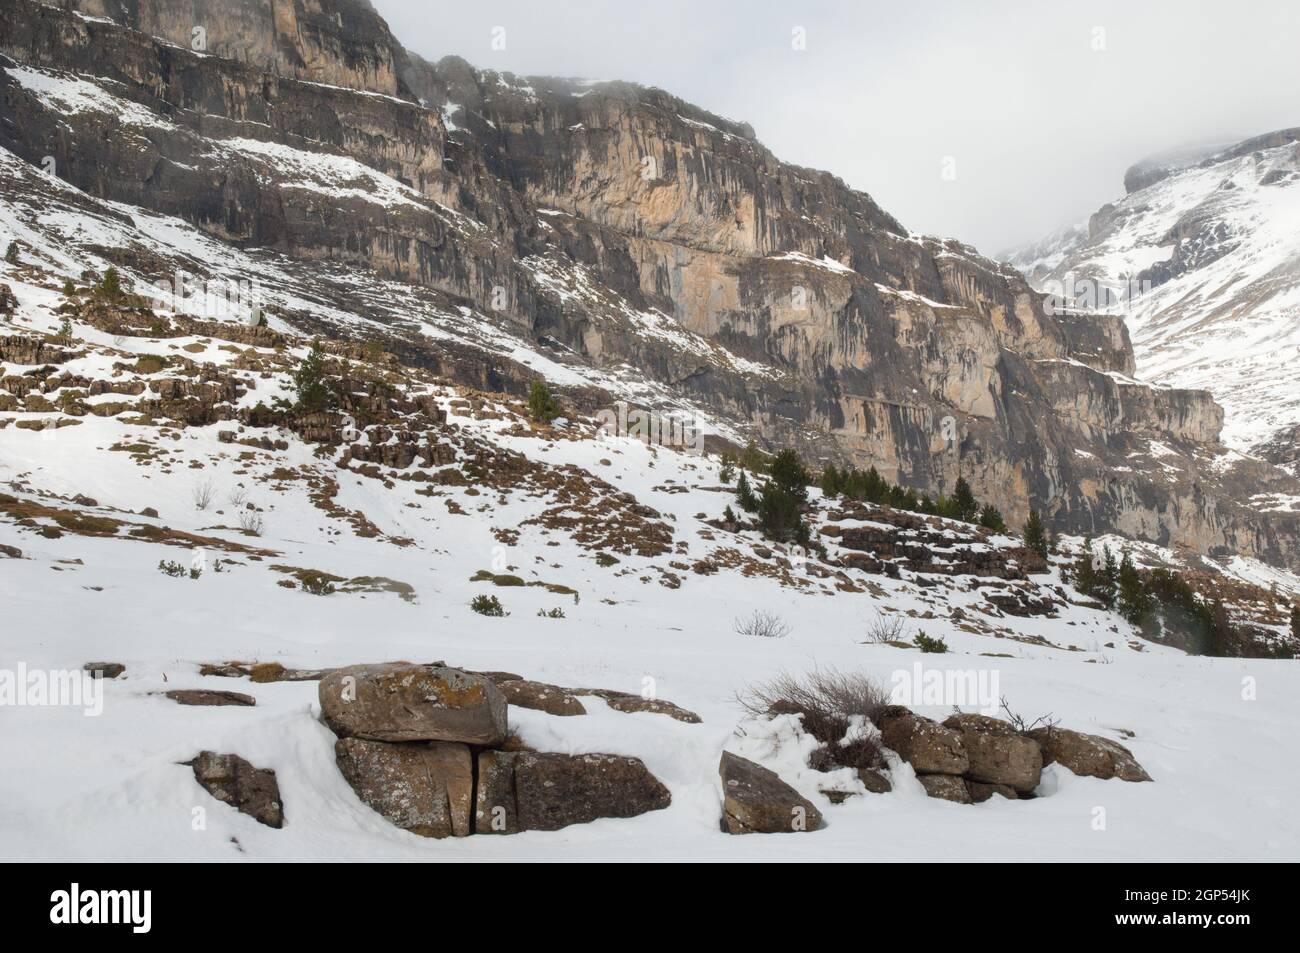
(871, 487)
(1159, 602)
(779, 503)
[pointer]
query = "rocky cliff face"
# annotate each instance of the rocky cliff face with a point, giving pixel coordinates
(661, 250)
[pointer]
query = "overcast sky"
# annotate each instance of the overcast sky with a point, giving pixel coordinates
(1041, 106)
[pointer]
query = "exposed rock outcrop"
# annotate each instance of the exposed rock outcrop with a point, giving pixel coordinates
(756, 801)
(1089, 755)
(427, 789)
(401, 702)
(234, 781)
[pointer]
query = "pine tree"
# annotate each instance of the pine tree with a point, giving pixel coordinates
(745, 497)
(728, 471)
(69, 289)
(1295, 621)
(779, 514)
(1135, 603)
(991, 518)
(790, 475)
(830, 482)
(965, 508)
(1084, 573)
(729, 515)
(752, 459)
(1036, 534)
(110, 289)
(541, 405)
(311, 387)
(11, 253)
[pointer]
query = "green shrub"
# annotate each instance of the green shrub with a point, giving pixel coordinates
(318, 584)
(556, 613)
(487, 605)
(169, 567)
(930, 646)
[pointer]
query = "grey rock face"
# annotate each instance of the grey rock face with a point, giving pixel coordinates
(813, 318)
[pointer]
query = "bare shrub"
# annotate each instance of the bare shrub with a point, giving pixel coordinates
(1023, 726)
(762, 625)
(250, 521)
(886, 629)
(828, 700)
(203, 495)
(238, 496)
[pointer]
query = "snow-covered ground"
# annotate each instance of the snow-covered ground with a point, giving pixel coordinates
(1215, 735)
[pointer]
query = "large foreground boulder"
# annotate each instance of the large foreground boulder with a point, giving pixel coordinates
(234, 781)
(756, 801)
(998, 754)
(427, 789)
(545, 791)
(1088, 755)
(398, 701)
(926, 745)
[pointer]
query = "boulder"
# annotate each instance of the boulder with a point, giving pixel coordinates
(756, 801)
(980, 792)
(874, 781)
(496, 809)
(927, 746)
(1089, 755)
(398, 701)
(998, 754)
(948, 787)
(427, 789)
(104, 669)
(627, 702)
(204, 696)
(541, 697)
(234, 781)
(555, 790)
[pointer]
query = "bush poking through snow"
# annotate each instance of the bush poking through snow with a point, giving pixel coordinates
(203, 495)
(762, 625)
(318, 584)
(169, 567)
(487, 605)
(886, 630)
(928, 645)
(556, 613)
(250, 521)
(832, 704)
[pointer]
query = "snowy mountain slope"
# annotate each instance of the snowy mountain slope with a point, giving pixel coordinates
(624, 242)
(1212, 251)
(99, 482)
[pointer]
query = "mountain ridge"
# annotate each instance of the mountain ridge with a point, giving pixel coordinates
(770, 297)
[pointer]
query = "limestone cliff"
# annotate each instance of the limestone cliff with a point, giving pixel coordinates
(621, 227)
